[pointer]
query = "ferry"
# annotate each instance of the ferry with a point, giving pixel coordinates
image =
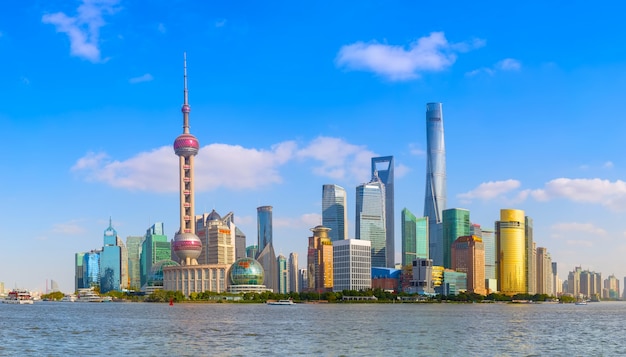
(88, 295)
(69, 298)
(21, 297)
(281, 302)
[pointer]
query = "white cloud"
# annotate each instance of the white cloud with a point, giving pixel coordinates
(490, 190)
(603, 192)
(417, 151)
(228, 166)
(161, 28)
(432, 53)
(220, 23)
(575, 227)
(83, 29)
(608, 165)
(144, 78)
(507, 64)
(339, 159)
(305, 221)
(68, 228)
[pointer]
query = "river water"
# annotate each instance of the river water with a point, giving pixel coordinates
(146, 329)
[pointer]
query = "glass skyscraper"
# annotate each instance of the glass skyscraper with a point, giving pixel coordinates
(133, 245)
(264, 227)
(370, 218)
(489, 240)
(283, 274)
(154, 248)
(110, 262)
(384, 166)
(414, 237)
(335, 211)
(455, 224)
(91, 269)
(435, 197)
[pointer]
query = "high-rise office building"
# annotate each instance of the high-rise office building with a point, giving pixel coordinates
(352, 268)
(370, 218)
(133, 245)
(155, 247)
(455, 223)
(489, 241)
(335, 211)
(384, 167)
(110, 261)
(556, 286)
(78, 272)
(217, 238)
(511, 252)
(468, 256)
(283, 274)
(435, 197)
(573, 281)
(252, 251)
(414, 237)
(611, 287)
(294, 285)
(264, 227)
(240, 244)
(320, 261)
(91, 269)
(531, 256)
(422, 277)
(544, 272)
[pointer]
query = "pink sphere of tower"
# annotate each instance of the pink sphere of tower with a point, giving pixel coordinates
(186, 145)
(187, 245)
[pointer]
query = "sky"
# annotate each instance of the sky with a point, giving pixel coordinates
(287, 96)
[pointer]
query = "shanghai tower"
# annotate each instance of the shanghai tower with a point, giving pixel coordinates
(435, 197)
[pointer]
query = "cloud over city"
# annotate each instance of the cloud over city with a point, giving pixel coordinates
(432, 53)
(507, 64)
(83, 29)
(229, 166)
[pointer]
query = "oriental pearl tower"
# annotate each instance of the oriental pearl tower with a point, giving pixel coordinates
(187, 245)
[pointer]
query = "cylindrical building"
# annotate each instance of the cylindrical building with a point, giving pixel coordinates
(511, 252)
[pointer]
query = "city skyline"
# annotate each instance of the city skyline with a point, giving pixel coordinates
(533, 120)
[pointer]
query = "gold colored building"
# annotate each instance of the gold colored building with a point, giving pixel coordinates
(511, 252)
(320, 260)
(468, 256)
(437, 272)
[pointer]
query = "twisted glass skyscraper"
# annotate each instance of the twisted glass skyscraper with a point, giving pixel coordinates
(435, 197)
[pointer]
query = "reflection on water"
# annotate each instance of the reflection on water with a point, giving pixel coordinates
(144, 329)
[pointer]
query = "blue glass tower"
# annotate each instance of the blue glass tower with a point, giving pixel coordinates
(435, 197)
(264, 227)
(370, 218)
(91, 269)
(384, 166)
(335, 211)
(110, 261)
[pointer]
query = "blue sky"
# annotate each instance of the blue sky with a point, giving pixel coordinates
(287, 96)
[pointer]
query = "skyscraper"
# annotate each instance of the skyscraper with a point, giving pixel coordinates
(544, 272)
(352, 265)
(435, 197)
(187, 245)
(531, 256)
(468, 256)
(335, 211)
(110, 261)
(283, 274)
(511, 252)
(370, 218)
(414, 237)
(78, 272)
(384, 166)
(320, 261)
(217, 238)
(294, 285)
(455, 224)
(91, 269)
(264, 227)
(133, 245)
(489, 241)
(155, 247)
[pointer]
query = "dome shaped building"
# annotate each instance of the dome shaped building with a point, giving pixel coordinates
(155, 278)
(246, 275)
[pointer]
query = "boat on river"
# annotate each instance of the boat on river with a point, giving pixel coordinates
(88, 295)
(21, 297)
(281, 302)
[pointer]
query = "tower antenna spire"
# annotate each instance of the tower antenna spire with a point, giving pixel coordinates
(186, 108)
